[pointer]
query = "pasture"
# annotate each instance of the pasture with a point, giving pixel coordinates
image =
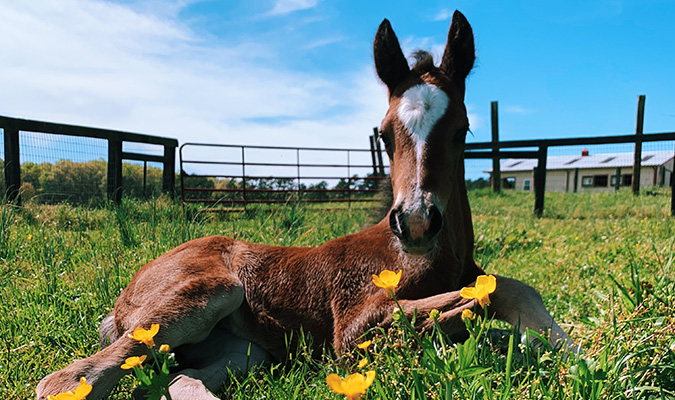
(602, 262)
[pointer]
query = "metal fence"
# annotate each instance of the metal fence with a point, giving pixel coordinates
(234, 176)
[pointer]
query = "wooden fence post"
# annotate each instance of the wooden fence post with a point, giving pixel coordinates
(115, 170)
(617, 184)
(145, 177)
(12, 164)
(672, 189)
(169, 171)
(637, 158)
(540, 181)
(496, 171)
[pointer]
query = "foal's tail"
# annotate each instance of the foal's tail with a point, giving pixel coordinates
(107, 331)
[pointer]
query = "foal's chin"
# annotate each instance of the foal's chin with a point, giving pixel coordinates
(418, 249)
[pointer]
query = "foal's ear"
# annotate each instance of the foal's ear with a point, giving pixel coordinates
(390, 63)
(459, 52)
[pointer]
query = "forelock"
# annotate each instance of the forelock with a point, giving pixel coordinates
(424, 62)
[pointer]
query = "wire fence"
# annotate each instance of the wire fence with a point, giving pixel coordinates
(47, 163)
(3, 186)
(57, 168)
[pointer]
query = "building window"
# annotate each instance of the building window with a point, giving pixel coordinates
(600, 180)
(526, 184)
(626, 180)
(509, 183)
(595, 181)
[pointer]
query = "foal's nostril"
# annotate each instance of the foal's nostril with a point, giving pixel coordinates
(436, 221)
(396, 223)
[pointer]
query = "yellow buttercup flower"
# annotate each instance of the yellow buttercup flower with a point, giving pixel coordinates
(387, 280)
(164, 348)
(132, 362)
(80, 392)
(434, 314)
(485, 284)
(363, 363)
(146, 336)
(468, 314)
(364, 345)
(353, 386)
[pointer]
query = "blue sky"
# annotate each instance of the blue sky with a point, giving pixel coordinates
(300, 72)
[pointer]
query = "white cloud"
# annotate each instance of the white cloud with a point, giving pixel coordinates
(94, 63)
(476, 121)
(323, 42)
(107, 65)
(287, 6)
(516, 109)
(443, 15)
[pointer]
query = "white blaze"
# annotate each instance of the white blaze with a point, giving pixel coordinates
(420, 108)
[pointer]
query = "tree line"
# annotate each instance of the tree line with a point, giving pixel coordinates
(81, 182)
(86, 183)
(278, 189)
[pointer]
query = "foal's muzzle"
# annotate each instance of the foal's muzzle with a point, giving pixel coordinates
(417, 229)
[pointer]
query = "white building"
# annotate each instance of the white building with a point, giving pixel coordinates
(588, 172)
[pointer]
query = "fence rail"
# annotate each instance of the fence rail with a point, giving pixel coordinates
(244, 184)
(241, 177)
(492, 150)
(12, 163)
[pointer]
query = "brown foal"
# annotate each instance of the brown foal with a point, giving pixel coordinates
(215, 295)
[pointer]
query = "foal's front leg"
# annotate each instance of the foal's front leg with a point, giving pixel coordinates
(520, 305)
(513, 302)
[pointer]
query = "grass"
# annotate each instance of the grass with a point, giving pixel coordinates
(603, 263)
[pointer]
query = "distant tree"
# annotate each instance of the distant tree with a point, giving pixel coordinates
(34, 174)
(270, 188)
(480, 183)
(132, 181)
(287, 188)
(196, 181)
(27, 191)
(343, 184)
(371, 182)
(76, 182)
(230, 184)
(315, 191)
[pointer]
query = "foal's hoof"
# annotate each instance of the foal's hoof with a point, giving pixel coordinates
(54, 384)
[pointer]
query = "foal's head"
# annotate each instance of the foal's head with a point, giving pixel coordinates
(423, 132)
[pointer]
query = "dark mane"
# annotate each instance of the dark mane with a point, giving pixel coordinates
(424, 62)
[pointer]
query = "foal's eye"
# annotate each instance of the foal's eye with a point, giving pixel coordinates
(385, 139)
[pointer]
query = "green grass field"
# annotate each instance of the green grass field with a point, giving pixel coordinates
(602, 262)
